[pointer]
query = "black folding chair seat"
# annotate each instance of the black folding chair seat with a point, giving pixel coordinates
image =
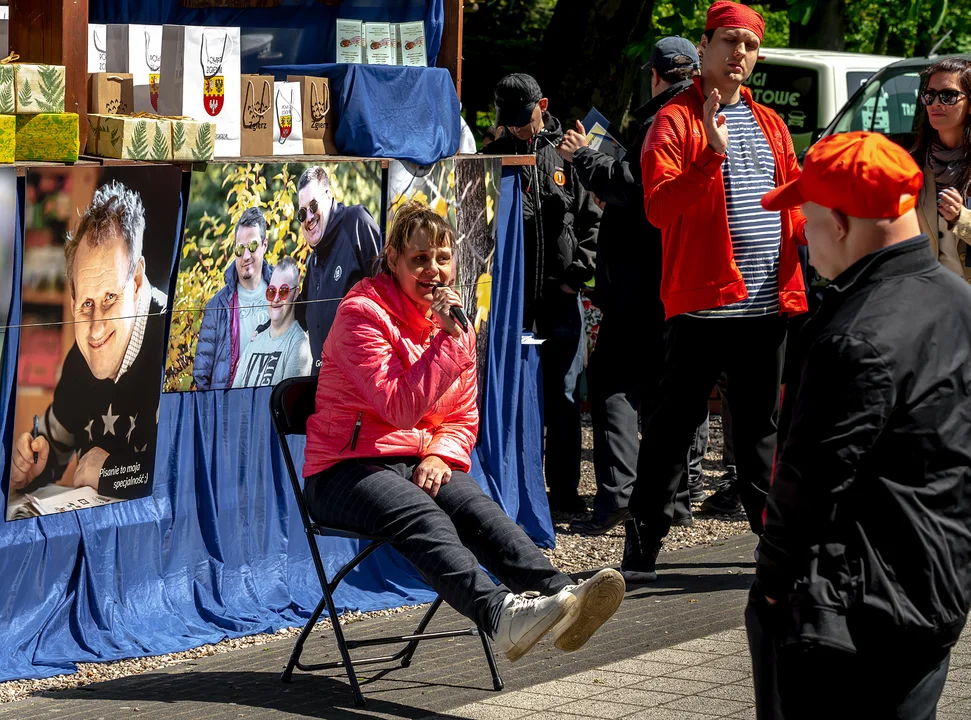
(292, 404)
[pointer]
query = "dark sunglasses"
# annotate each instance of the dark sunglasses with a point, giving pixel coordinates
(947, 97)
(302, 212)
(252, 245)
(272, 292)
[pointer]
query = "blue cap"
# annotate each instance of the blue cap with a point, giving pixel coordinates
(672, 53)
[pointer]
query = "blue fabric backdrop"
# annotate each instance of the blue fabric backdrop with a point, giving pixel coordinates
(218, 550)
(299, 31)
(406, 113)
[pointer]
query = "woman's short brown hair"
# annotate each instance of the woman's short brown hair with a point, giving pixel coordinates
(410, 218)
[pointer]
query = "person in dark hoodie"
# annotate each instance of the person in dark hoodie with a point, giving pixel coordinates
(560, 222)
(627, 291)
(233, 314)
(346, 243)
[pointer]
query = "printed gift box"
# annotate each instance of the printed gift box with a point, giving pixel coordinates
(8, 90)
(134, 138)
(111, 94)
(50, 137)
(193, 140)
(37, 88)
(350, 41)
(8, 139)
(377, 35)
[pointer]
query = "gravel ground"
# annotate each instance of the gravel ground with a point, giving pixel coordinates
(573, 553)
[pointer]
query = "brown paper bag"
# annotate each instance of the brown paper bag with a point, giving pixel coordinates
(111, 93)
(319, 118)
(256, 115)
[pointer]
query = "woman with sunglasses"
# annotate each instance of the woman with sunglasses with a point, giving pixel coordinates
(389, 448)
(943, 150)
(278, 349)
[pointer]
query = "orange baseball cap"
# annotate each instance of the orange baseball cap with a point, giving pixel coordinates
(860, 174)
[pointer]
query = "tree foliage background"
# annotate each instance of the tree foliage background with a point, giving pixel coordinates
(588, 52)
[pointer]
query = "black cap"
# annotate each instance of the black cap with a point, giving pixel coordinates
(671, 53)
(516, 96)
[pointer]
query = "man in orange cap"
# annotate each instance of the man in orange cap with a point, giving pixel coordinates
(730, 278)
(863, 578)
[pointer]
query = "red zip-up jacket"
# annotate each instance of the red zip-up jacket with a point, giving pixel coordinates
(684, 196)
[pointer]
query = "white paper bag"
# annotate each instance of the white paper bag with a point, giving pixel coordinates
(287, 120)
(137, 49)
(200, 79)
(97, 48)
(4, 30)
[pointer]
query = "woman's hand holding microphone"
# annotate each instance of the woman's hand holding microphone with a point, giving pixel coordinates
(445, 299)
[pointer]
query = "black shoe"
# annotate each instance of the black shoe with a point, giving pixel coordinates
(600, 525)
(686, 521)
(725, 500)
(696, 490)
(639, 565)
(568, 504)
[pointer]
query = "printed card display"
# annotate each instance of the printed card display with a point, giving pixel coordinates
(377, 36)
(97, 48)
(92, 340)
(201, 80)
(288, 125)
(411, 44)
(350, 41)
(137, 49)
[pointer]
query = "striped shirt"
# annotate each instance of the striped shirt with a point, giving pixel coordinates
(749, 173)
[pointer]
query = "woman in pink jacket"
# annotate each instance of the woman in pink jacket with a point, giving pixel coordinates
(388, 451)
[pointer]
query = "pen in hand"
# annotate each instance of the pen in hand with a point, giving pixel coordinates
(34, 433)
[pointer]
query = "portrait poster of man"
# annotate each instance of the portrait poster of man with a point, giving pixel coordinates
(8, 220)
(464, 191)
(269, 252)
(99, 253)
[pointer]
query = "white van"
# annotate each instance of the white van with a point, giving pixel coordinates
(808, 87)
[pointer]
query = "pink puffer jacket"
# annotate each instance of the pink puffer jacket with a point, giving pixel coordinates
(392, 383)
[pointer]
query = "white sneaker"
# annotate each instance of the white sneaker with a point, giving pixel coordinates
(597, 599)
(525, 618)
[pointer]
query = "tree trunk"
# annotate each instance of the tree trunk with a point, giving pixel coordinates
(826, 29)
(883, 35)
(584, 64)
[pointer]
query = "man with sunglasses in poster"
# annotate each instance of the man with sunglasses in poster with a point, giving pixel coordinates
(281, 349)
(346, 243)
(234, 313)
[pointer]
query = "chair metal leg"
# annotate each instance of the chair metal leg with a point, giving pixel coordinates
(342, 646)
(298, 647)
(413, 645)
(497, 683)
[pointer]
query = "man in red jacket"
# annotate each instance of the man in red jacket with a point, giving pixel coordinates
(730, 275)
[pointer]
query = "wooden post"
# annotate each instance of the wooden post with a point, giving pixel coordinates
(56, 32)
(450, 54)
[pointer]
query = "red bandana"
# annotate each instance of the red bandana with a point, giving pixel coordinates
(728, 14)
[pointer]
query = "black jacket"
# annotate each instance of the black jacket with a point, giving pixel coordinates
(562, 246)
(344, 256)
(868, 527)
(628, 276)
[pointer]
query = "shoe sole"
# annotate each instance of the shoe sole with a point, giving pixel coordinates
(600, 602)
(530, 639)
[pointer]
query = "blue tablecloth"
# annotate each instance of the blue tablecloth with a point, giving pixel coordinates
(389, 111)
(218, 550)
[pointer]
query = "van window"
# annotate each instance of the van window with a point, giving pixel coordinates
(855, 79)
(793, 92)
(887, 105)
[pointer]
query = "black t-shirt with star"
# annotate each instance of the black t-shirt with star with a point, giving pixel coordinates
(119, 417)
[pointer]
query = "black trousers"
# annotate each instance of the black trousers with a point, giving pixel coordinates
(887, 678)
(445, 538)
(559, 322)
(750, 351)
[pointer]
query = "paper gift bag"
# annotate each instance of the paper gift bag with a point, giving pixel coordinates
(200, 78)
(319, 117)
(38, 88)
(51, 137)
(256, 115)
(287, 126)
(8, 138)
(135, 138)
(137, 49)
(193, 140)
(111, 94)
(97, 48)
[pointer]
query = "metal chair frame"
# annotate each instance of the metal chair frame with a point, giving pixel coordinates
(291, 404)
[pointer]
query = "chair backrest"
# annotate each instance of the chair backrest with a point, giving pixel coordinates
(292, 404)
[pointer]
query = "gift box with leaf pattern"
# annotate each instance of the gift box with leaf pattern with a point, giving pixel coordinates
(134, 138)
(38, 88)
(8, 138)
(8, 90)
(51, 137)
(193, 140)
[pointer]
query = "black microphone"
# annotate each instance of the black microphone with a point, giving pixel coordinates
(456, 312)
